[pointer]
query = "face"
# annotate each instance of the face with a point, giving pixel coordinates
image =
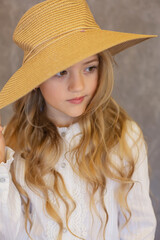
(68, 93)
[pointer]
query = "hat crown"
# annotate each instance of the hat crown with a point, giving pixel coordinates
(51, 19)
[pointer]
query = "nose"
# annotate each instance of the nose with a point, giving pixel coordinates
(76, 82)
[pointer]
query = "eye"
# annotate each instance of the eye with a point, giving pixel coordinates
(61, 74)
(91, 68)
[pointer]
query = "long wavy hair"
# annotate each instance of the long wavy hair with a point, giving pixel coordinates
(35, 138)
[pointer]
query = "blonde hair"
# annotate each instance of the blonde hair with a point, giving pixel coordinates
(35, 138)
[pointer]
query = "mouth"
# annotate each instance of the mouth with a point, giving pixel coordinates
(76, 100)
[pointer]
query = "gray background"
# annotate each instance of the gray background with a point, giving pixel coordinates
(137, 85)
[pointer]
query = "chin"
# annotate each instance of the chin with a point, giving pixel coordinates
(75, 114)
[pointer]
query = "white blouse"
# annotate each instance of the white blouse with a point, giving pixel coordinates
(141, 226)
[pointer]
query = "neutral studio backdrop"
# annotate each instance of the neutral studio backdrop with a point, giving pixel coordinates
(137, 83)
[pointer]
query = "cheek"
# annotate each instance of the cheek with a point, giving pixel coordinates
(49, 92)
(94, 83)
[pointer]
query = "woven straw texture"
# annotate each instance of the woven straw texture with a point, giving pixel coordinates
(54, 35)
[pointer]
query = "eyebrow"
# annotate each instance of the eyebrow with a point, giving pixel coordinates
(93, 60)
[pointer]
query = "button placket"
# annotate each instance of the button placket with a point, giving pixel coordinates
(63, 165)
(2, 179)
(64, 230)
(63, 134)
(63, 161)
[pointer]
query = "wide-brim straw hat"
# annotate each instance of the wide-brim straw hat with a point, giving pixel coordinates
(54, 35)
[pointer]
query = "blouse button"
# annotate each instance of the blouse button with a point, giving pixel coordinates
(2, 179)
(63, 134)
(64, 230)
(63, 164)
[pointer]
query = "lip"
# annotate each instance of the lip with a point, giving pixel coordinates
(76, 100)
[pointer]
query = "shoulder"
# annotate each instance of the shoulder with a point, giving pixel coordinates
(135, 140)
(131, 145)
(132, 132)
(131, 135)
(18, 163)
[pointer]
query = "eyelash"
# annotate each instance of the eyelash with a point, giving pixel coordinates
(93, 68)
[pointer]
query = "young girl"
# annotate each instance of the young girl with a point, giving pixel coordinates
(75, 165)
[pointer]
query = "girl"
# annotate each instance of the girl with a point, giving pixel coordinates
(75, 165)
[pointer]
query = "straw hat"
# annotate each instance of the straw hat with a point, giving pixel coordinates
(54, 35)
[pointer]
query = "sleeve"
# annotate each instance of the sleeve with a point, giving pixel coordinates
(11, 215)
(142, 224)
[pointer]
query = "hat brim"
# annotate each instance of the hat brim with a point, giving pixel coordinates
(62, 54)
